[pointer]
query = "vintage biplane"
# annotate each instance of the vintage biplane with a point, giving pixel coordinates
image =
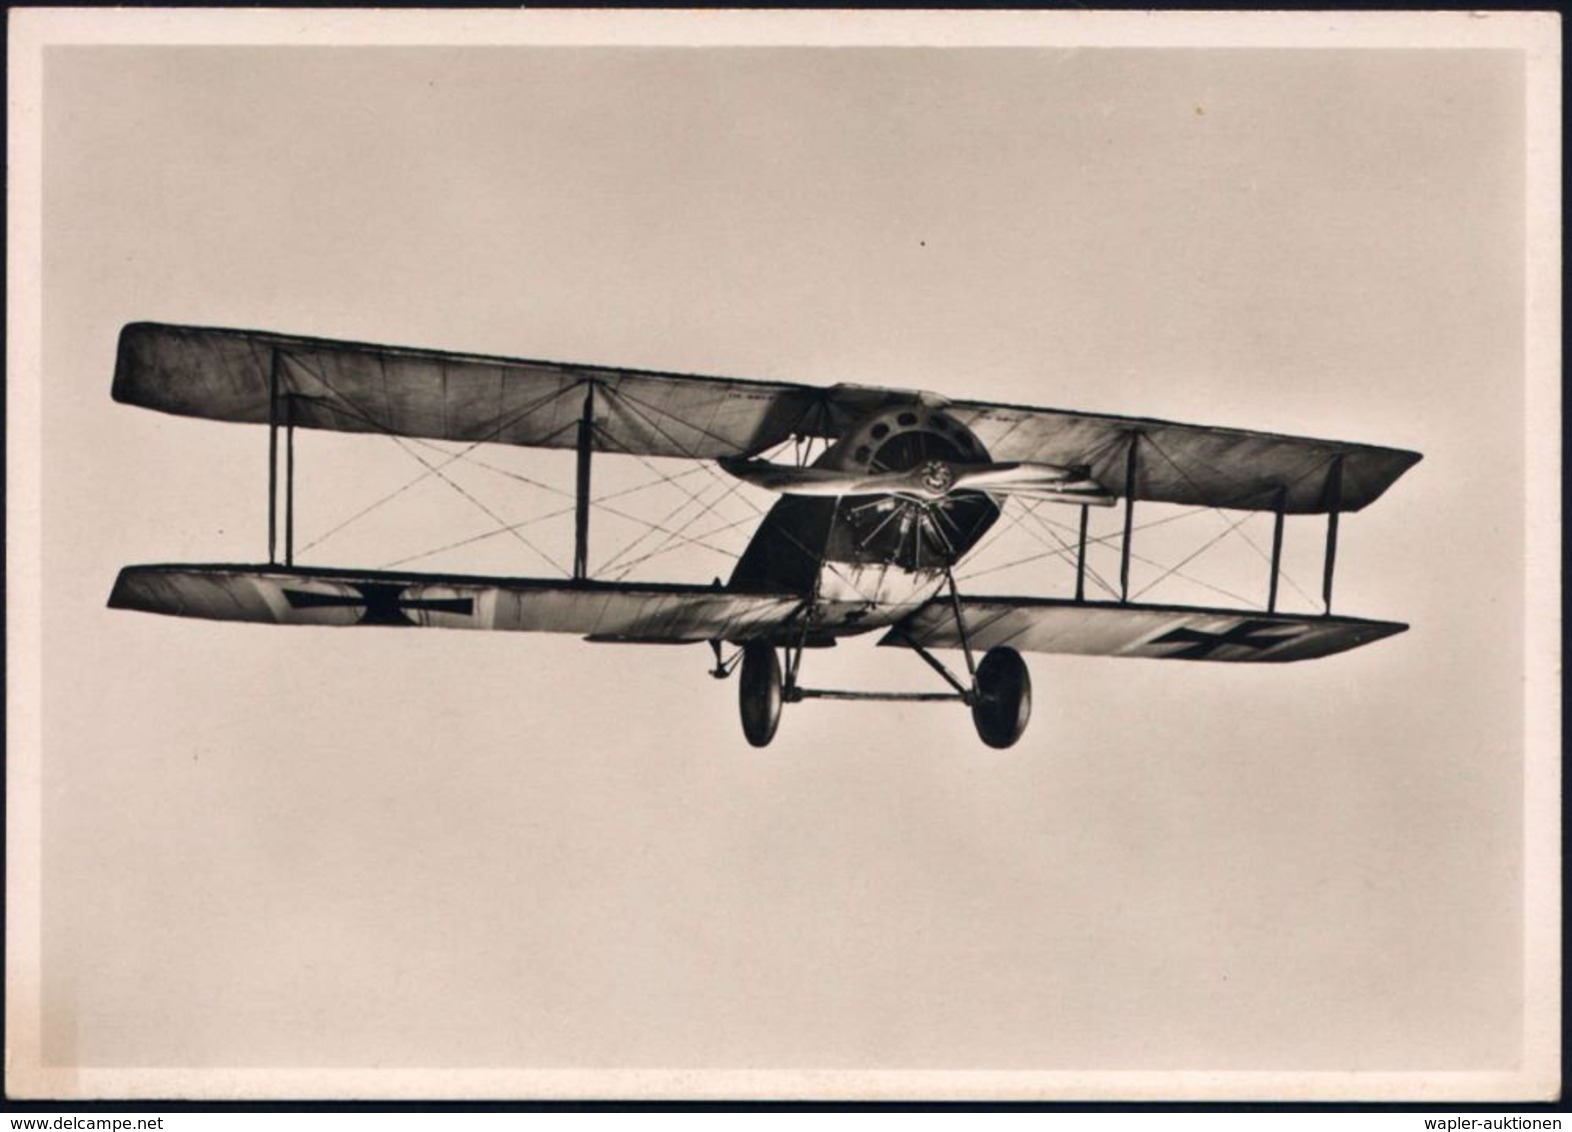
(864, 536)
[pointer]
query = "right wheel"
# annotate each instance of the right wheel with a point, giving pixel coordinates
(759, 693)
(1003, 702)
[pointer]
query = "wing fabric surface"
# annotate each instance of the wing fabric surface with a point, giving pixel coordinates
(1191, 464)
(233, 375)
(272, 595)
(259, 377)
(1155, 631)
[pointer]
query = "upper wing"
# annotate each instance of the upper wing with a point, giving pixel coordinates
(273, 595)
(1162, 632)
(258, 377)
(1192, 464)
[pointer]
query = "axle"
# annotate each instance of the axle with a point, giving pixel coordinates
(796, 695)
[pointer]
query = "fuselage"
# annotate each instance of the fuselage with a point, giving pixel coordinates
(866, 561)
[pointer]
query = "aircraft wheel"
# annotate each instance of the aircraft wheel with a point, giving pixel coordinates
(1004, 697)
(759, 693)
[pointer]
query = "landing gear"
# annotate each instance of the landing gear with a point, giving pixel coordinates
(999, 692)
(1002, 699)
(1000, 695)
(759, 693)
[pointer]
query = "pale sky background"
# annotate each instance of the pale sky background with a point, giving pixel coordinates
(270, 847)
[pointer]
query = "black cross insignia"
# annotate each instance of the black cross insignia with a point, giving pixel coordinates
(1248, 634)
(384, 603)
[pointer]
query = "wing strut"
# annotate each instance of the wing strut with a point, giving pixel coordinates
(1080, 557)
(1129, 515)
(582, 500)
(280, 406)
(272, 461)
(289, 480)
(1334, 502)
(1277, 551)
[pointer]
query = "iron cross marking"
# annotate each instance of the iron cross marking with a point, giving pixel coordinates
(384, 603)
(1247, 634)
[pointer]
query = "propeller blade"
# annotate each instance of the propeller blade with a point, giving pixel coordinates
(1040, 481)
(1091, 494)
(932, 479)
(1014, 474)
(788, 479)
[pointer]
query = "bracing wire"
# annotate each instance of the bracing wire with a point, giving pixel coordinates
(487, 511)
(681, 534)
(357, 412)
(434, 469)
(1232, 526)
(1100, 540)
(1091, 572)
(1193, 555)
(673, 540)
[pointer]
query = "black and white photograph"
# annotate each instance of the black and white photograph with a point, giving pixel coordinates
(739, 555)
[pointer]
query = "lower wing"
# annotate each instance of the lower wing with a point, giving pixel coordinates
(1162, 632)
(645, 612)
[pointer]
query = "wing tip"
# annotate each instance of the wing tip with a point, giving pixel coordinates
(1400, 461)
(123, 594)
(1369, 633)
(123, 388)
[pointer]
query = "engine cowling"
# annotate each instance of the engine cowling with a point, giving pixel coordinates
(901, 437)
(914, 533)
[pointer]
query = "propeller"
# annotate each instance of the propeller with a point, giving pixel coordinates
(929, 479)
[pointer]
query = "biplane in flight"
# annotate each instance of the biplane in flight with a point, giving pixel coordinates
(863, 538)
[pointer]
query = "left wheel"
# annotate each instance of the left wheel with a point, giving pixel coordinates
(1004, 697)
(759, 693)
